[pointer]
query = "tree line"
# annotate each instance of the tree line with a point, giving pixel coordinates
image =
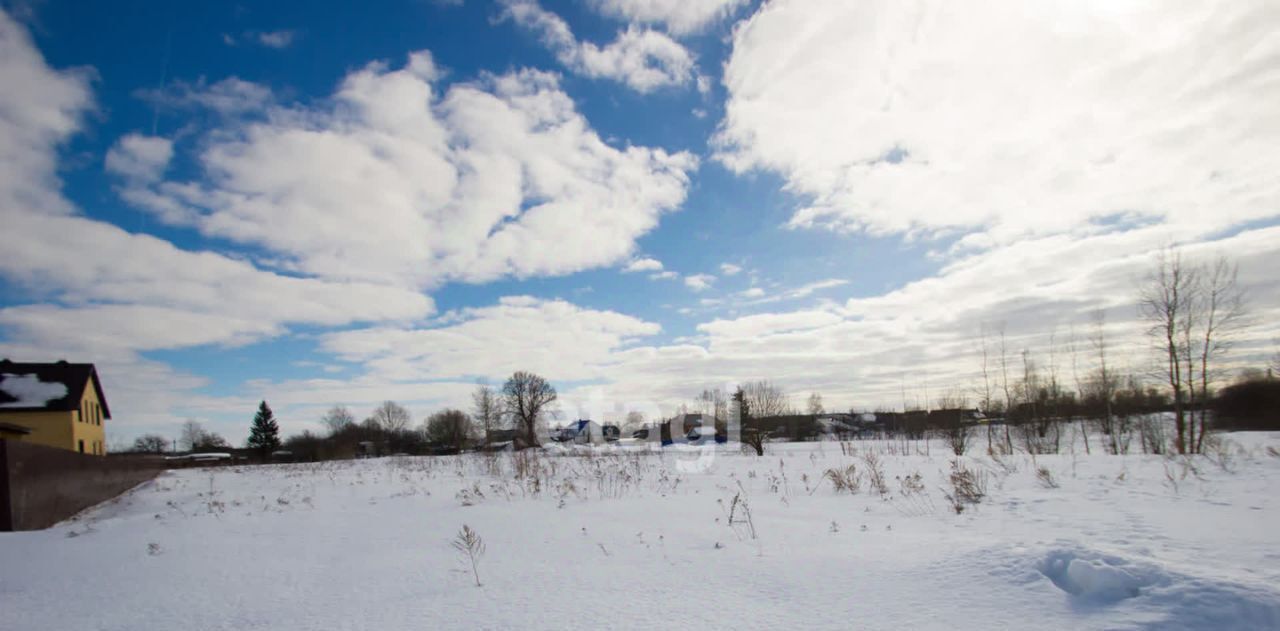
(1191, 313)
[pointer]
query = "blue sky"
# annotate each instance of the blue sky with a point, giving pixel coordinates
(319, 203)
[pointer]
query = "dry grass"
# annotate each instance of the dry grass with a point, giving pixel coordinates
(968, 486)
(845, 480)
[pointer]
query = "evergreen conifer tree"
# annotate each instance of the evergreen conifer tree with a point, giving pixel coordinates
(264, 435)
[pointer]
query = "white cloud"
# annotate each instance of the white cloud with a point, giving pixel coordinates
(646, 264)
(139, 158)
(228, 96)
(895, 117)
(276, 39)
(391, 182)
(643, 59)
(550, 337)
(120, 293)
(677, 16)
(808, 289)
(666, 275)
(39, 108)
(729, 269)
(758, 295)
(699, 282)
(280, 39)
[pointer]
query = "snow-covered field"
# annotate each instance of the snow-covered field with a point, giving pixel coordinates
(644, 539)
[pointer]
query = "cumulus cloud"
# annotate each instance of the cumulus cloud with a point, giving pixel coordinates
(643, 59)
(1014, 119)
(679, 17)
(729, 269)
(551, 337)
(392, 182)
(120, 293)
(646, 264)
(139, 158)
(39, 108)
(276, 39)
(699, 282)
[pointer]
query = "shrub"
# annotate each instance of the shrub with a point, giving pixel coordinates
(847, 479)
(470, 547)
(875, 473)
(1045, 477)
(968, 486)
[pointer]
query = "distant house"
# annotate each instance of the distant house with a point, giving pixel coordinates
(56, 404)
(839, 425)
(583, 431)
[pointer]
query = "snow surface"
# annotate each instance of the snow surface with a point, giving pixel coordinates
(29, 391)
(641, 538)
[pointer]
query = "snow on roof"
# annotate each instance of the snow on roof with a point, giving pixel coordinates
(28, 391)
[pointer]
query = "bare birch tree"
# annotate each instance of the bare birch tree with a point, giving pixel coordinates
(486, 409)
(1008, 389)
(1104, 380)
(1221, 306)
(1165, 300)
(815, 404)
(985, 392)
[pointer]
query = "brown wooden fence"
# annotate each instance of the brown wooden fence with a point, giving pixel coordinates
(41, 486)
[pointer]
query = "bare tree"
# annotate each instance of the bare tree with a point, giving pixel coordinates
(1008, 390)
(1221, 306)
(633, 422)
(525, 395)
(714, 403)
(337, 419)
(391, 417)
(1104, 381)
(1166, 301)
(1074, 348)
(192, 435)
(486, 409)
(150, 444)
(449, 428)
(985, 393)
(815, 404)
(764, 398)
(1039, 431)
(752, 436)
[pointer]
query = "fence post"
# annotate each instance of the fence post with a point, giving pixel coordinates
(6, 505)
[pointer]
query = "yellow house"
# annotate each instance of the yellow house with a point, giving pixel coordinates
(55, 404)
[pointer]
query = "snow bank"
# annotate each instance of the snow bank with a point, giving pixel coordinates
(1097, 579)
